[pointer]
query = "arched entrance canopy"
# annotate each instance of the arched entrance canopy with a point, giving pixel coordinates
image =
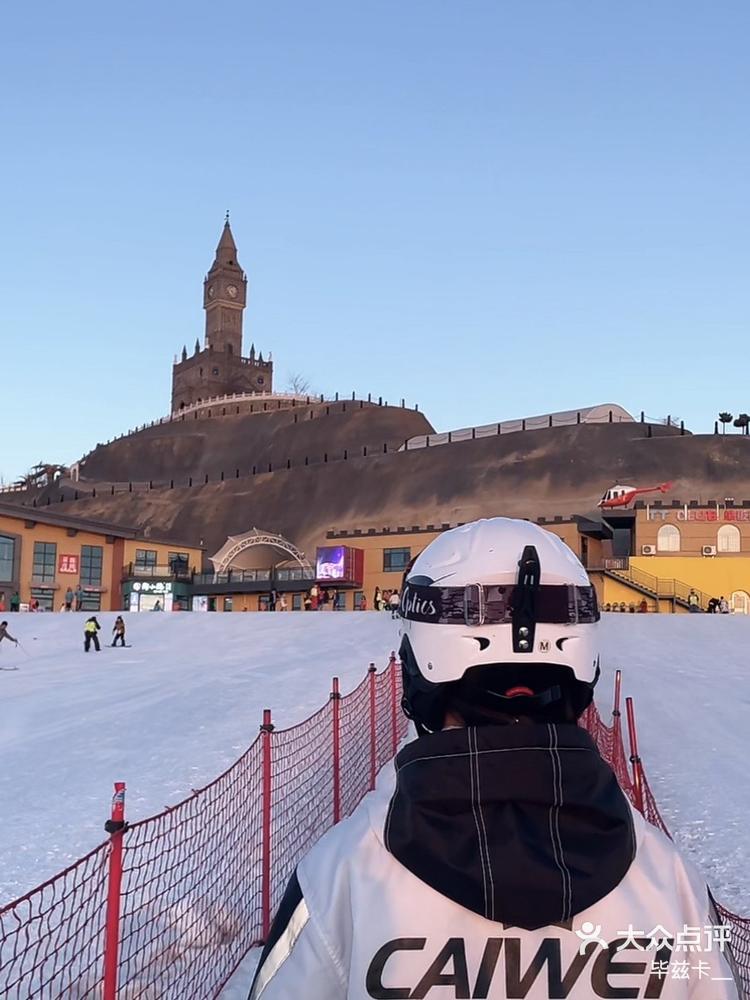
(237, 544)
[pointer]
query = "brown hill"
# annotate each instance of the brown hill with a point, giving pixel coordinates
(200, 445)
(562, 470)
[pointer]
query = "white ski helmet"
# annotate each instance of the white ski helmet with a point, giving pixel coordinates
(502, 593)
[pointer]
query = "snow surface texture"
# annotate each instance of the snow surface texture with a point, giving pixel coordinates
(170, 713)
(167, 715)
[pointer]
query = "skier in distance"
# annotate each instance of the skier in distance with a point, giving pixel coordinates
(91, 634)
(119, 631)
(5, 634)
(506, 861)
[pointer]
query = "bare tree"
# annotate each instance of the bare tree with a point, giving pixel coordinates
(299, 384)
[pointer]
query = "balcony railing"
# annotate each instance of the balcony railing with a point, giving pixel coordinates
(255, 576)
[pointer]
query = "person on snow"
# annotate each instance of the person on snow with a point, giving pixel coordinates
(119, 631)
(5, 634)
(506, 861)
(694, 602)
(393, 602)
(90, 634)
(723, 605)
(69, 598)
(15, 601)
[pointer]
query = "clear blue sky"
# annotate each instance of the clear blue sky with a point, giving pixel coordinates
(493, 209)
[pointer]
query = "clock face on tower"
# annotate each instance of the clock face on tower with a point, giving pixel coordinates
(211, 291)
(232, 291)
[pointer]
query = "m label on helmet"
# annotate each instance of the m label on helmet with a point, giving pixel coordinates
(544, 645)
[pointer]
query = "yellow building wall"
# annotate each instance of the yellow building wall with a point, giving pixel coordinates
(66, 545)
(116, 554)
(617, 592)
(714, 575)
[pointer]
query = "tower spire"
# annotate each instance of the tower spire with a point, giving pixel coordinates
(226, 251)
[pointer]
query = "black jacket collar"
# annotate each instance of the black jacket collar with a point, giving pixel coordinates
(523, 824)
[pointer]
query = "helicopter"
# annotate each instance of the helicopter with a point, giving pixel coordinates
(621, 496)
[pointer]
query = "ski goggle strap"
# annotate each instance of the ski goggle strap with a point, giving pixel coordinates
(477, 604)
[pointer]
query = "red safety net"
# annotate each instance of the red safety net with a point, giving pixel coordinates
(52, 939)
(201, 880)
(610, 743)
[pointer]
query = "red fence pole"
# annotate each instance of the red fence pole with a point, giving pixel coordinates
(394, 705)
(265, 889)
(635, 760)
(373, 727)
(336, 740)
(616, 722)
(115, 827)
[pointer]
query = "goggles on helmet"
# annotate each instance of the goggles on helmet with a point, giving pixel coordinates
(478, 604)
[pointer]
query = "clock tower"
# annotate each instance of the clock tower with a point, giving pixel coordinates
(218, 370)
(224, 298)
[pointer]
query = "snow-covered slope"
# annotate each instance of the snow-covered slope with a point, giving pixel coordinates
(174, 710)
(689, 676)
(167, 715)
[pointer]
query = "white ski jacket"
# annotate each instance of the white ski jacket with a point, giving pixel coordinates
(357, 923)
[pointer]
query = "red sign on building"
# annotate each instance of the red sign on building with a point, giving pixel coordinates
(67, 564)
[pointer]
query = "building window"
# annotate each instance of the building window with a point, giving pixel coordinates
(230, 349)
(668, 538)
(92, 557)
(7, 558)
(728, 538)
(214, 371)
(179, 564)
(145, 560)
(45, 596)
(296, 602)
(358, 598)
(91, 601)
(260, 380)
(227, 603)
(45, 558)
(396, 560)
(740, 602)
(339, 601)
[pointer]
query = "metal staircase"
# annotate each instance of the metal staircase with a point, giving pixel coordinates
(656, 587)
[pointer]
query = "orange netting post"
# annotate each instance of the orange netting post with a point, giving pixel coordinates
(392, 667)
(115, 827)
(265, 884)
(336, 741)
(635, 759)
(371, 670)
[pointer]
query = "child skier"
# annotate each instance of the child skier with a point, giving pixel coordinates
(90, 634)
(119, 631)
(508, 862)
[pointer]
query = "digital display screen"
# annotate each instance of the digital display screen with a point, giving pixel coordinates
(330, 563)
